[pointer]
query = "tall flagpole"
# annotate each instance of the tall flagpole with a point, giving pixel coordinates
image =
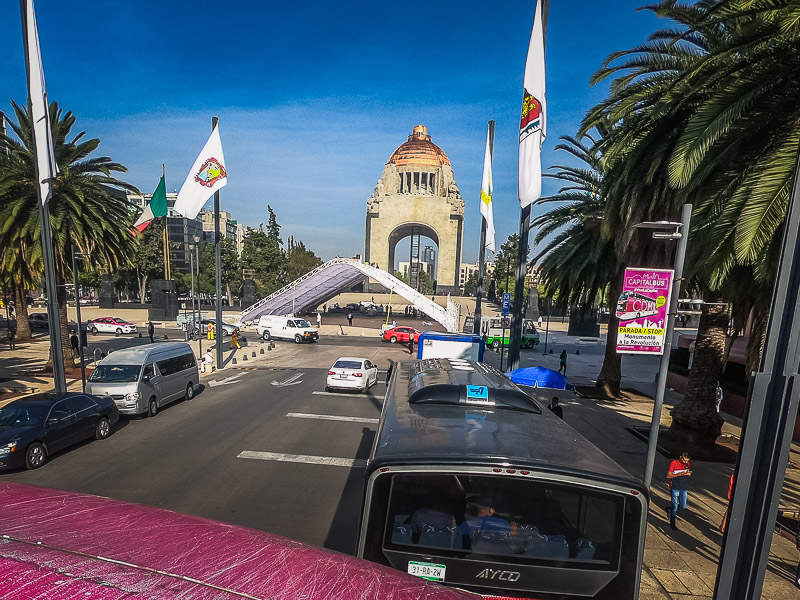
(482, 251)
(167, 263)
(218, 250)
(43, 190)
(522, 256)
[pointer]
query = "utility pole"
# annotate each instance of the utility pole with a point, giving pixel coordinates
(677, 280)
(218, 253)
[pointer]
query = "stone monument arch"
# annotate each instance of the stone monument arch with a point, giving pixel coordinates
(416, 196)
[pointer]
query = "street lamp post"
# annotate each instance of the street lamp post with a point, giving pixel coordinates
(197, 319)
(75, 256)
(681, 233)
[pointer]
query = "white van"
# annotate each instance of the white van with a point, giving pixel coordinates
(286, 327)
(142, 379)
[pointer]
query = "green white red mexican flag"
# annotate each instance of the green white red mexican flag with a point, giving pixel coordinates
(157, 207)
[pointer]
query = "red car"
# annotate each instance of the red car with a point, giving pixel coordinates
(401, 334)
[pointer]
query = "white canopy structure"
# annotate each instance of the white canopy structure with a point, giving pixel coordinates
(339, 275)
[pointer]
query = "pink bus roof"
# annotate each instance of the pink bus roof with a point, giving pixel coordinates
(62, 545)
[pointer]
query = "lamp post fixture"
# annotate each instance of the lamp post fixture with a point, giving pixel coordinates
(666, 230)
(194, 252)
(75, 256)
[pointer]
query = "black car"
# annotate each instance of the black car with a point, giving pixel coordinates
(34, 427)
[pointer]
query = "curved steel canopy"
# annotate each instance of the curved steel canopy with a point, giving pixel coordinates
(339, 275)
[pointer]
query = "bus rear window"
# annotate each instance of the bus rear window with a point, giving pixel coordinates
(522, 519)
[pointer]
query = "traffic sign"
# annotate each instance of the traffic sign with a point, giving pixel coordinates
(506, 303)
(505, 322)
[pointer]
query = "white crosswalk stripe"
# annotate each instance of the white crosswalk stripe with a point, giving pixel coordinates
(306, 459)
(332, 418)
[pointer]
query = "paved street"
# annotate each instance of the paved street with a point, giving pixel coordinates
(186, 458)
(248, 450)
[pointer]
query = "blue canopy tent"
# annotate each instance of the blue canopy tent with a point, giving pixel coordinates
(540, 377)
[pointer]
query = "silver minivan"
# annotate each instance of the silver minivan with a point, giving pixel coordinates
(144, 378)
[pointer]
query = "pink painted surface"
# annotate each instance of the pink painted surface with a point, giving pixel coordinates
(58, 544)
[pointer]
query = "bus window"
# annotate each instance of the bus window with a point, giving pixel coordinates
(528, 520)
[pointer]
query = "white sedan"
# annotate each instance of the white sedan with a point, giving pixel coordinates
(350, 373)
(110, 325)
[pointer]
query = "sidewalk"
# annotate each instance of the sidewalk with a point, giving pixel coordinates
(678, 564)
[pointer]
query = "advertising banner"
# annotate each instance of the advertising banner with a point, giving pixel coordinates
(642, 311)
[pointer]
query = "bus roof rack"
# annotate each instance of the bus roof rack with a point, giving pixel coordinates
(465, 383)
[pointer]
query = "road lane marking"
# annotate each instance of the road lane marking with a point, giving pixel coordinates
(293, 380)
(330, 461)
(348, 395)
(332, 418)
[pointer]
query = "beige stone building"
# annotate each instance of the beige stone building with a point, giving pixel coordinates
(417, 196)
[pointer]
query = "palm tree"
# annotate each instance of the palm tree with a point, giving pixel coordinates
(708, 113)
(83, 210)
(579, 263)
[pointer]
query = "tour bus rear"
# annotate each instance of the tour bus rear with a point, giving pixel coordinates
(495, 522)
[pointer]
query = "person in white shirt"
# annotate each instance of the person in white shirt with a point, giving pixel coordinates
(207, 359)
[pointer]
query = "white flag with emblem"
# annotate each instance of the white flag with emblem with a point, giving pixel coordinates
(208, 174)
(46, 168)
(487, 186)
(532, 126)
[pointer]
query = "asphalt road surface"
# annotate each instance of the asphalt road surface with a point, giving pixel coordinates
(189, 458)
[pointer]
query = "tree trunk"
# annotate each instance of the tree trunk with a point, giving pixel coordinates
(228, 293)
(66, 348)
(695, 419)
(142, 286)
(755, 341)
(608, 381)
(21, 313)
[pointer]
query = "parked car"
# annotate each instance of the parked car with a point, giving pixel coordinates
(401, 334)
(286, 327)
(89, 301)
(110, 325)
(352, 373)
(39, 320)
(227, 328)
(144, 378)
(35, 427)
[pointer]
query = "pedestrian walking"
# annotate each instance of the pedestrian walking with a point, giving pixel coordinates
(210, 331)
(235, 340)
(797, 544)
(411, 343)
(319, 320)
(350, 319)
(562, 359)
(723, 525)
(539, 322)
(678, 475)
(150, 331)
(12, 335)
(555, 408)
(73, 341)
(718, 396)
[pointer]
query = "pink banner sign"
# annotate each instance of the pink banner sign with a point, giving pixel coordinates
(642, 311)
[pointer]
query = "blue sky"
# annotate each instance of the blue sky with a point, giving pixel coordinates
(314, 97)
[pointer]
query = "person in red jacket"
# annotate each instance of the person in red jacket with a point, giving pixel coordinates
(678, 475)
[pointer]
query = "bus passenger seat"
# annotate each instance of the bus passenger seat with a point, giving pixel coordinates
(436, 529)
(401, 532)
(546, 546)
(585, 549)
(492, 542)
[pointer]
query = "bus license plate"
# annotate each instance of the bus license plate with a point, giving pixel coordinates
(428, 571)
